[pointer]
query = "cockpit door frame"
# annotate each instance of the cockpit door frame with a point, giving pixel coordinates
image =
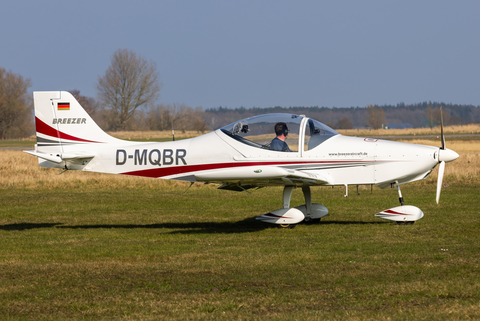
(301, 136)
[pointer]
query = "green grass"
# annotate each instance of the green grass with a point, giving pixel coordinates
(17, 143)
(106, 253)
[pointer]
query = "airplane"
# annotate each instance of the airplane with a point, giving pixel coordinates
(242, 156)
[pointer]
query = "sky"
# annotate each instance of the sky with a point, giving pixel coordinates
(255, 53)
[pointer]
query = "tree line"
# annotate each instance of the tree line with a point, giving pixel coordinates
(15, 106)
(425, 114)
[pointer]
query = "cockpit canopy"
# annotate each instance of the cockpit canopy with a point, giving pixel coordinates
(259, 131)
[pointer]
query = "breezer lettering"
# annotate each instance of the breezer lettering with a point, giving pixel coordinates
(152, 157)
(68, 121)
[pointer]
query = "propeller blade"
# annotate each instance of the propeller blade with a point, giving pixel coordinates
(441, 170)
(441, 128)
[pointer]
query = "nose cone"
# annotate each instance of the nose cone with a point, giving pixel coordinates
(447, 155)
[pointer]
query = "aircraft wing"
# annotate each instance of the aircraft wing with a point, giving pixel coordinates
(260, 176)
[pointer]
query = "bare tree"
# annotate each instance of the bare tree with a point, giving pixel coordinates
(445, 114)
(430, 116)
(376, 117)
(88, 103)
(128, 83)
(15, 106)
(177, 117)
(344, 123)
(102, 117)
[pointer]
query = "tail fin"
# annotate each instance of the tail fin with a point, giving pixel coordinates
(61, 123)
(63, 127)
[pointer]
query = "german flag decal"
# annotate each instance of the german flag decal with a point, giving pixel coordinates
(63, 106)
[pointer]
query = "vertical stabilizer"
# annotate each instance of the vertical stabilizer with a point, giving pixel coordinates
(62, 125)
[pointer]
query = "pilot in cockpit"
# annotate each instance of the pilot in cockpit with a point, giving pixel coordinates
(278, 143)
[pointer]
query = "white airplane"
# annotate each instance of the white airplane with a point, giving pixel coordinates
(243, 155)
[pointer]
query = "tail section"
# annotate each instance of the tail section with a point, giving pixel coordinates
(62, 123)
(63, 129)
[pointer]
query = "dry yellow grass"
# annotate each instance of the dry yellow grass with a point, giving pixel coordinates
(146, 134)
(456, 129)
(20, 170)
(152, 134)
(456, 145)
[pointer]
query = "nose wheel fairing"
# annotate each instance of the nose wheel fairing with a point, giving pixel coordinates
(403, 214)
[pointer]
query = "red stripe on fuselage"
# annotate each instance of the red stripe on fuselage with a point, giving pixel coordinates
(175, 170)
(45, 129)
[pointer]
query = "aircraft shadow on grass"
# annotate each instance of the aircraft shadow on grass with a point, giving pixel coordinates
(244, 226)
(26, 226)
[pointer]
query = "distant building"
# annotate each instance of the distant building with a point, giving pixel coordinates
(399, 126)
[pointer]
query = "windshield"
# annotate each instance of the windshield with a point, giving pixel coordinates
(278, 132)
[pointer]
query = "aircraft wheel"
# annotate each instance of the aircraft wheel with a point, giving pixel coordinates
(309, 220)
(284, 226)
(405, 222)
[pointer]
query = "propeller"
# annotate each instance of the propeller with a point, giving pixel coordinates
(441, 170)
(444, 155)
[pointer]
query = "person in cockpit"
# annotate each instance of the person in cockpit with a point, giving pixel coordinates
(278, 143)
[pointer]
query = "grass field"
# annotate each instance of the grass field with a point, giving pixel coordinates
(92, 246)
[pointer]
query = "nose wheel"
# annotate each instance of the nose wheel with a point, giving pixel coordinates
(286, 226)
(308, 220)
(405, 223)
(287, 195)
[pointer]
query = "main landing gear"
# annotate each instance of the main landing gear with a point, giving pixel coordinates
(288, 217)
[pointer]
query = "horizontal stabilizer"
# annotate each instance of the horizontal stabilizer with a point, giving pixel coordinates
(49, 157)
(58, 158)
